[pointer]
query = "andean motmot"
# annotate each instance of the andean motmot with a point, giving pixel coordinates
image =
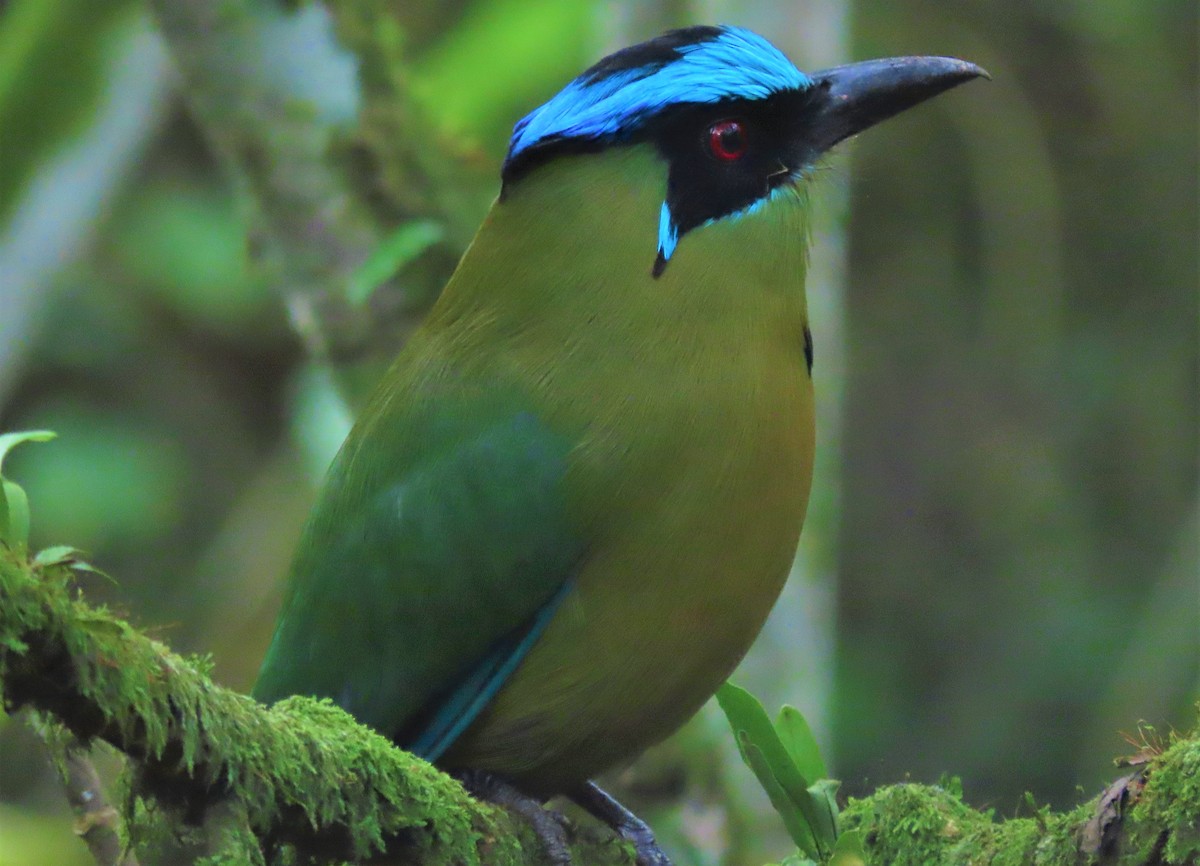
(567, 509)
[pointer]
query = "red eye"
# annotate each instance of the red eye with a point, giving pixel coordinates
(727, 140)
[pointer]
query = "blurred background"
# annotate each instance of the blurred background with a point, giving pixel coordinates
(1000, 570)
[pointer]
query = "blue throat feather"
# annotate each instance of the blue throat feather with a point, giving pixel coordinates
(668, 233)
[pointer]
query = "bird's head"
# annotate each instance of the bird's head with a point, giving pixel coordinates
(733, 120)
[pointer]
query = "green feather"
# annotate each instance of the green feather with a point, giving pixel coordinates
(423, 554)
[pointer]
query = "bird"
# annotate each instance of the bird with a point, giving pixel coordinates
(567, 509)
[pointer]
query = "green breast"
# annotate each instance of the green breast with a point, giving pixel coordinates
(690, 403)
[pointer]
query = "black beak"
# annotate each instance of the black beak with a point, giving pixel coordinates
(859, 95)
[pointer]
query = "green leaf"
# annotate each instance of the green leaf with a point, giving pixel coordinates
(14, 514)
(814, 801)
(745, 713)
(14, 504)
(798, 739)
(395, 253)
(83, 565)
(72, 557)
(10, 440)
(824, 812)
(849, 850)
(797, 825)
(57, 555)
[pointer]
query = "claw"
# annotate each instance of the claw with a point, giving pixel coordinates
(549, 826)
(593, 799)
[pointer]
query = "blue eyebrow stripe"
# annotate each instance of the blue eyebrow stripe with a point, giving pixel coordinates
(736, 64)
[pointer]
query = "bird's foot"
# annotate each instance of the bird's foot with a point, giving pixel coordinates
(550, 826)
(593, 799)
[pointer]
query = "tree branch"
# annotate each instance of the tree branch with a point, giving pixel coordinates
(1149, 818)
(304, 774)
(97, 821)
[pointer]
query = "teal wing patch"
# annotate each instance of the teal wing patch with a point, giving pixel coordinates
(456, 712)
(438, 552)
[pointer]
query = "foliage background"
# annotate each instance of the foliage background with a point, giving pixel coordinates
(1001, 568)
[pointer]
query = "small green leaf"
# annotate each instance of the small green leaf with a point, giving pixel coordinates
(746, 714)
(798, 739)
(9, 440)
(849, 850)
(395, 253)
(794, 820)
(72, 557)
(814, 801)
(14, 505)
(57, 555)
(14, 514)
(84, 565)
(824, 812)
(952, 785)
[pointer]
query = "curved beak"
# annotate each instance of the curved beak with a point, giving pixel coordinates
(859, 95)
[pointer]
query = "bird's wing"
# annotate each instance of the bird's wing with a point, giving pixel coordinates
(437, 553)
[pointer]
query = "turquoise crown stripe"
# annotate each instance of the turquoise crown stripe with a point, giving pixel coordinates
(737, 64)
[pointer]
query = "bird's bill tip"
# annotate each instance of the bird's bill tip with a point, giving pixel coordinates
(860, 95)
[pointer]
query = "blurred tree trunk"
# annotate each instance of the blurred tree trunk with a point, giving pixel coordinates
(1022, 406)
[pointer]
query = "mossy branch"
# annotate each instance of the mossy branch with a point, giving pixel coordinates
(1148, 818)
(304, 774)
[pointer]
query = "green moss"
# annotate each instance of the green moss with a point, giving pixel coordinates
(1167, 814)
(920, 825)
(901, 819)
(301, 769)
(925, 825)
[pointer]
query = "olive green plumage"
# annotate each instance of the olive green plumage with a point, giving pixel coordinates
(564, 416)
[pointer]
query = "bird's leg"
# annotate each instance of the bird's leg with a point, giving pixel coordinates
(595, 801)
(549, 826)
